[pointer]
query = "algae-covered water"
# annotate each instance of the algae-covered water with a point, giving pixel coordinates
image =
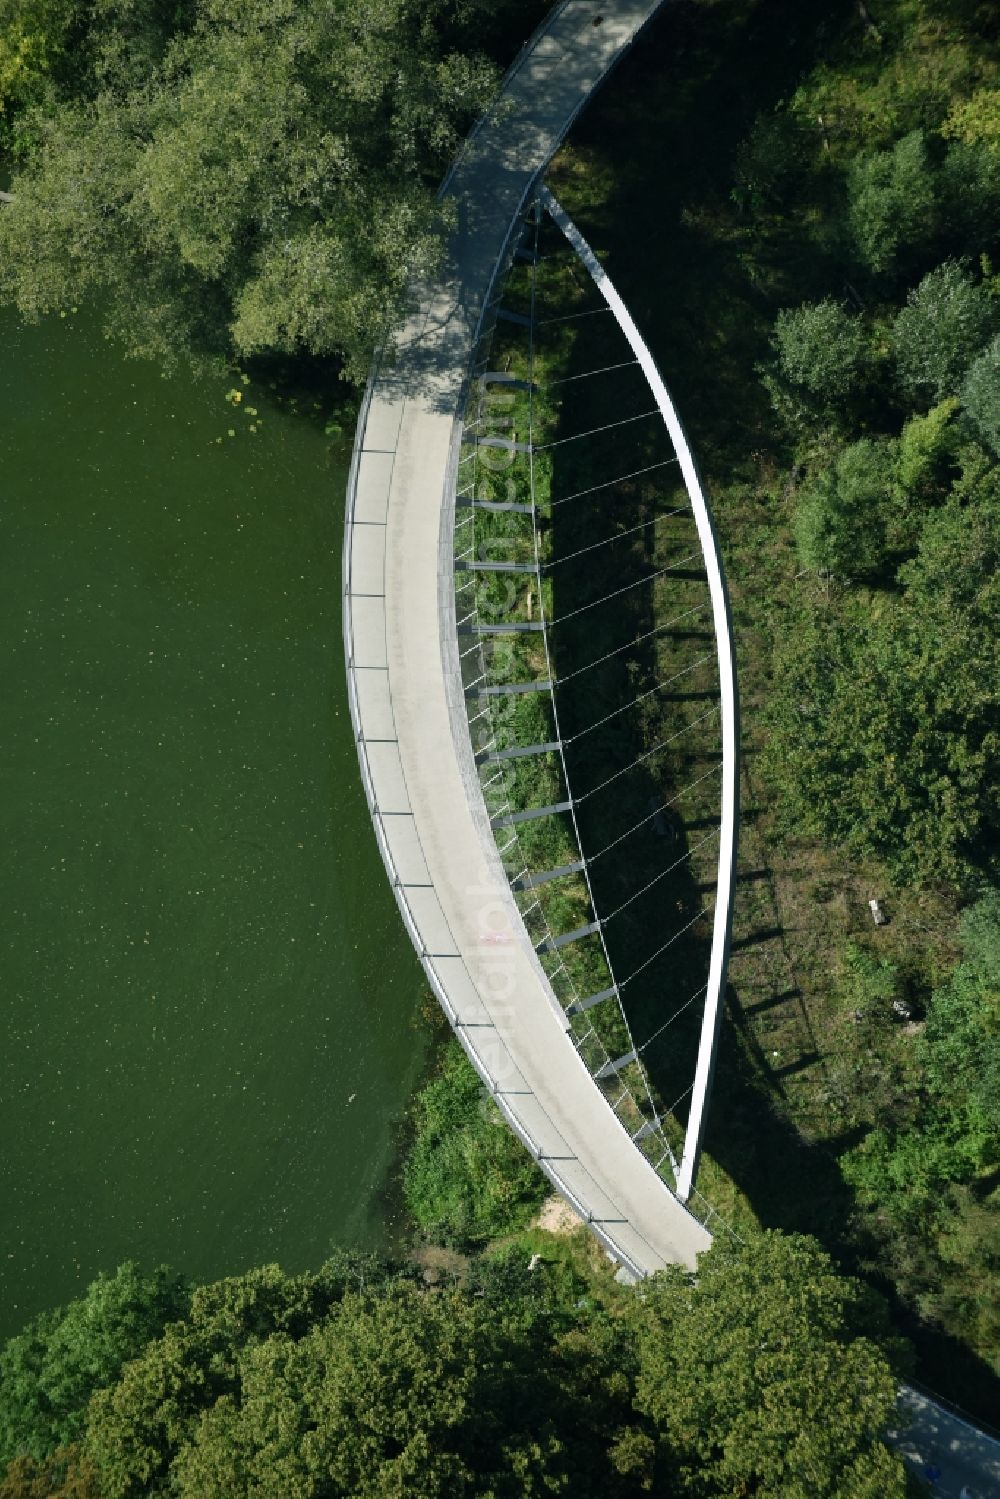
(207, 994)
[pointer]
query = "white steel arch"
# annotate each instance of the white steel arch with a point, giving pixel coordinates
(404, 679)
(722, 623)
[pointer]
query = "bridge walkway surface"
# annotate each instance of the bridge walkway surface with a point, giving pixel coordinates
(405, 682)
(410, 717)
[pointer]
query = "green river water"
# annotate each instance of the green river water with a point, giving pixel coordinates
(208, 994)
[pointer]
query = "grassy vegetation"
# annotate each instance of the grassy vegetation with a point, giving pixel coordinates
(749, 128)
(466, 1178)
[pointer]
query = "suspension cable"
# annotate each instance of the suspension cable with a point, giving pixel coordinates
(649, 578)
(629, 644)
(662, 874)
(603, 370)
(615, 712)
(715, 769)
(619, 536)
(610, 483)
(660, 1029)
(543, 447)
(661, 950)
(568, 317)
(647, 754)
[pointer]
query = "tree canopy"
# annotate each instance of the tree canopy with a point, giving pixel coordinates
(757, 1381)
(893, 204)
(821, 349)
(49, 1371)
(883, 729)
(842, 516)
(359, 1380)
(256, 177)
(944, 325)
(981, 394)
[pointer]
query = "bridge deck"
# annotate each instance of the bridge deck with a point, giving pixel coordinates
(409, 709)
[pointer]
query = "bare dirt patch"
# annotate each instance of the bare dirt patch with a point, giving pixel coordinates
(556, 1216)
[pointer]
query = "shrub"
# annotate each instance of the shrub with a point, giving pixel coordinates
(840, 524)
(981, 394)
(466, 1177)
(821, 348)
(939, 332)
(892, 202)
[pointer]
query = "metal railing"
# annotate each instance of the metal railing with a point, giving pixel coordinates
(404, 895)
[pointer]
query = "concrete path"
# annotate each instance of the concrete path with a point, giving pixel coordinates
(955, 1459)
(405, 682)
(413, 740)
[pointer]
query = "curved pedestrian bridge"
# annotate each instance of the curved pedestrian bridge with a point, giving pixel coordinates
(410, 686)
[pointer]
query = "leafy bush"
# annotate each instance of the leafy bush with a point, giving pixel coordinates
(50, 1370)
(869, 983)
(892, 208)
(926, 448)
(969, 189)
(841, 517)
(944, 325)
(466, 1177)
(981, 394)
(883, 727)
(956, 1136)
(821, 348)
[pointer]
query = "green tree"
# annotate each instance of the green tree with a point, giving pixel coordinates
(466, 1177)
(272, 173)
(892, 204)
(137, 1426)
(33, 35)
(821, 349)
(981, 394)
(49, 1371)
(927, 463)
(927, 450)
(975, 120)
(758, 1379)
(358, 1381)
(945, 323)
(907, 1172)
(313, 1387)
(883, 727)
(368, 1403)
(65, 1475)
(840, 522)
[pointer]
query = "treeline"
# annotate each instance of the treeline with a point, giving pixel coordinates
(227, 179)
(884, 735)
(867, 208)
(760, 1376)
(928, 1167)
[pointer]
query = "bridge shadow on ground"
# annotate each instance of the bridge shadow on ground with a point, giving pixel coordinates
(660, 212)
(797, 1186)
